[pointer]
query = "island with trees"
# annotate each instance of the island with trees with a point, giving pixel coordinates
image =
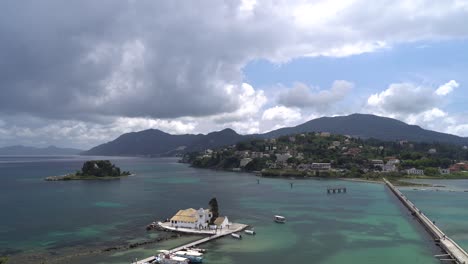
(93, 170)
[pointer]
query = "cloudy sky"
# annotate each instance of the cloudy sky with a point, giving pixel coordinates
(80, 73)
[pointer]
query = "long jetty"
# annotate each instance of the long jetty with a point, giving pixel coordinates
(221, 233)
(455, 253)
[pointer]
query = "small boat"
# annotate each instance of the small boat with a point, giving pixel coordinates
(201, 250)
(171, 259)
(238, 236)
(249, 232)
(279, 219)
(191, 255)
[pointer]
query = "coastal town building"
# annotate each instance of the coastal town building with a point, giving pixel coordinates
(281, 158)
(256, 154)
(444, 171)
(191, 218)
(352, 152)
(325, 134)
(336, 143)
(414, 171)
(432, 151)
(389, 168)
(393, 161)
(377, 163)
(462, 166)
(221, 222)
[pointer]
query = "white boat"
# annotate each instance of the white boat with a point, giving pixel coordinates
(279, 219)
(201, 250)
(238, 236)
(249, 232)
(171, 259)
(193, 256)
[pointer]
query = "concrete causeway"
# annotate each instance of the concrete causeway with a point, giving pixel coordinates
(454, 251)
(233, 228)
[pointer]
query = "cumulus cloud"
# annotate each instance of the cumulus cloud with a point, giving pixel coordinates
(408, 98)
(251, 101)
(303, 96)
(417, 104)
(447, 88)
(281, 113)
(92, 62)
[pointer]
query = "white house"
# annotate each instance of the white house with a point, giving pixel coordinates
(414, 171)
(221, 222)
(191, 218)
(389, 168)
(393, 162)
(283, 157)
(432, 151)
(444, 171)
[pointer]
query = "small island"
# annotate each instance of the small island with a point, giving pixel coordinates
(93, 170)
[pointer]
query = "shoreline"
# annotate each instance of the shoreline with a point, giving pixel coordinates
(49, 257)
(71, 177)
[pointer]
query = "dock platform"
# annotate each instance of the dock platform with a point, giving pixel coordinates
(339, 189)
(233, 228)
(454, 252)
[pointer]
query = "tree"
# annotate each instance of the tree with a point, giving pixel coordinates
(3, 260)
(214, 209)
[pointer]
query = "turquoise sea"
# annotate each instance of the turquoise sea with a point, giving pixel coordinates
(62, 220)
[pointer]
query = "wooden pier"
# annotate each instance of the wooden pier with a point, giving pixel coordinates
(234, 228)
(455, 253)
(336, 189)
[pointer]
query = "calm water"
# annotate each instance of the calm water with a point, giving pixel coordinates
(448, 206)
(366, 225)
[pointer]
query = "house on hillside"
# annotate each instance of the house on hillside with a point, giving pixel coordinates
(432, 151)
(282, 158)
(377, 163)
(459, 167)
(414, 171)
(389, 168)
(444, 171)
(393, 161)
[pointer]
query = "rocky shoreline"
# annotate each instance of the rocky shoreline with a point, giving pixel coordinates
(52, 257)
(71, 177)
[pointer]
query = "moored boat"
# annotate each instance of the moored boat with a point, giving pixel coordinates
(249, 232)
(238, 236)
(171, 259)
(191, 255)
(279, 219)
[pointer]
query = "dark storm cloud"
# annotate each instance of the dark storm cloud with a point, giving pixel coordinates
(72, 59)
(164, 59)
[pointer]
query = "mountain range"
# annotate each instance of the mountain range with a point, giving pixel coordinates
(153, 142)
(51, 150)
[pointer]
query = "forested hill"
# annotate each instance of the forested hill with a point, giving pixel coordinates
(370, 126)
(154, 142)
